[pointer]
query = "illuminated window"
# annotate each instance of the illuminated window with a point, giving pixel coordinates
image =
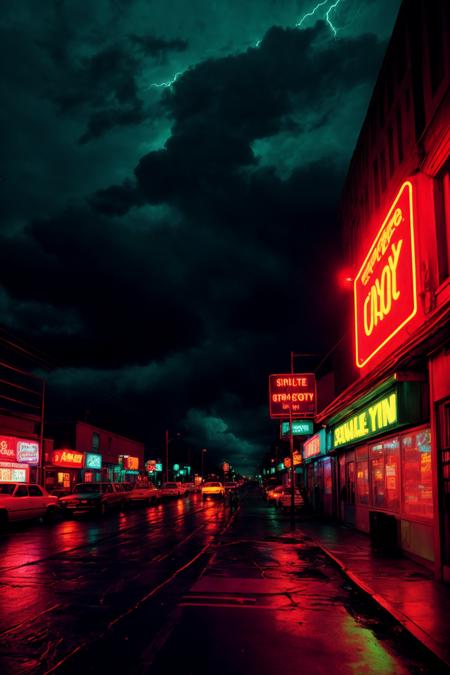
(385, 471)
(362, 476)
(417, 480)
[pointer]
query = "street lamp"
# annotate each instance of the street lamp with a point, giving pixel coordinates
(203, 456)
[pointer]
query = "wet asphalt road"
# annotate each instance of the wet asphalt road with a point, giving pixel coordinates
(187, 587)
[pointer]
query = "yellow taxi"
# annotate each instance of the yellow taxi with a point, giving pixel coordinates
(213, 489)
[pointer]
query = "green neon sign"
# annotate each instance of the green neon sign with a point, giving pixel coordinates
(299, 428)
(158, 466)
(176, 467)
(93, 460)
(379, 416)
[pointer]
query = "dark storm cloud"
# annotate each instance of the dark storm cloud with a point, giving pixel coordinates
(222, 105)
(157, 47)
(117, 199)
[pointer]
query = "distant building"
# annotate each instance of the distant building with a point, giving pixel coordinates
(85, 453)
(386, 467)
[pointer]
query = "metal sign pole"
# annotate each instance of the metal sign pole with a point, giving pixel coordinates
(291, 447)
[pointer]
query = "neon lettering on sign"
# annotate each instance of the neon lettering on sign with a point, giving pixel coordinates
(19, 450)
(373, 419)
(299, 428)
(315, 445)
(68, 458)
(292, 391)
(385, 297)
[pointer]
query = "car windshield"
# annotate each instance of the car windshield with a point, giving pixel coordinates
(170, 485)
(93, 488)
(213, 485)
(7, 489)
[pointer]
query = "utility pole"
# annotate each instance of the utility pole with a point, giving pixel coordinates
(166, 466)
(203, 461)
(291, 448)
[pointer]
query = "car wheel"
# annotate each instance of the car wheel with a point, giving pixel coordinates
(50, 515)
(3, 520)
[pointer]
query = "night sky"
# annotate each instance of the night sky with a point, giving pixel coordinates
(167, 246)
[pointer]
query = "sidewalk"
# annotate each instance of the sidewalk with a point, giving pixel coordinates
(402, 587)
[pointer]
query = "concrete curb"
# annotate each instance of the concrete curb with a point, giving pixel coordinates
(416, 631)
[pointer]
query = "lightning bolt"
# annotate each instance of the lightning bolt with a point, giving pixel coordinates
(169, 83)
(327, 15)
(311, 13)
(330, 9)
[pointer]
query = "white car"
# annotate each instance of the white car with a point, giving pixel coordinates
(284, 500)
(144, 493)
(25, 501)
(174, 489)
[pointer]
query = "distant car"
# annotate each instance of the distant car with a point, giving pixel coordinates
(284, 500)
(274, 493)
(213, 489)
(93, 497)
(25, 501)
(173, 489)
(149, 494)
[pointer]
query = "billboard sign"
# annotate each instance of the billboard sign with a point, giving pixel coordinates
(385, 295)
(296, 391)
(13, 472)
(315, 446)
(19, 450)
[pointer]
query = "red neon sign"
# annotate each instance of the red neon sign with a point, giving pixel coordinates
(385, 297)
(296, 390)
(68, 458)
(20, 450)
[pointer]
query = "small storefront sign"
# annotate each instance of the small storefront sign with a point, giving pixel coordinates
(292, 393)
(13, 472)
(70, 459)
(93, 461)
(315, 446)
(299, 428)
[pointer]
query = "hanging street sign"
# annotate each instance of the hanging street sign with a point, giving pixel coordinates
(295, 392)
(299, 428)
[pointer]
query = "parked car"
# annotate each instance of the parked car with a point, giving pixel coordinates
(213, 489)
(25, 501)
(284, 500)
(93, 497)
(274, 493)
(173, 489)
(147, 493)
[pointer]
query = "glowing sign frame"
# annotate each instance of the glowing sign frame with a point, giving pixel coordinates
(93, 460)
(300, 427)
(361, 357)
(69, 459)
(292, 384)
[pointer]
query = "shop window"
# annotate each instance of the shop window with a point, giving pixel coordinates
(95, 442)
(327, 479)
(64, 479)
(385, 471)
(417, 479)
(350, 482)
(362, 476)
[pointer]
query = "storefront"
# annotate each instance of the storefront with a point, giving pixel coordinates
(383, 447)
(19, 459)
(64, 470)
(318, 474)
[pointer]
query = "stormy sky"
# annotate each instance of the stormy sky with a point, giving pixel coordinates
(170, 176)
